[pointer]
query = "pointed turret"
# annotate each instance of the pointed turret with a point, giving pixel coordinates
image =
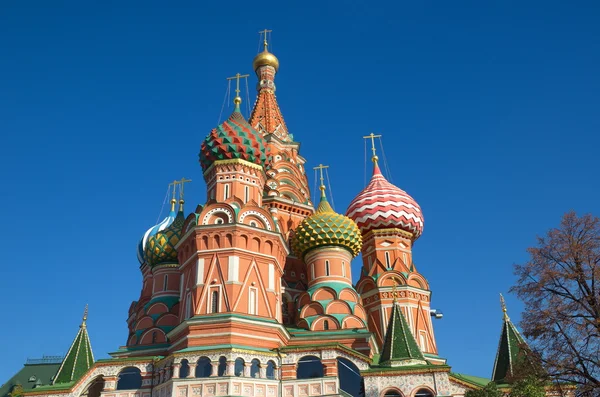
(512, 351)
(79, 358)
(400, 347)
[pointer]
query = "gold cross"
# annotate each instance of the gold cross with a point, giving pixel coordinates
(238, 76)
(265, 33)
(321, 167)
(182, 182)
(372, 137)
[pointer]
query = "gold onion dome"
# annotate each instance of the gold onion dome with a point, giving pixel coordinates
(160, 248)
(326, 228)
(265, 58)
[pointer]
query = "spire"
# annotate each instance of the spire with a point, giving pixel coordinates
(79, 358)
(512, 350)
(266, 116)
(400, 347)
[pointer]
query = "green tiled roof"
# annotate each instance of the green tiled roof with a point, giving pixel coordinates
(399, 344)
(510, 352)
(474, 380)
(31, 376)
(79, 358)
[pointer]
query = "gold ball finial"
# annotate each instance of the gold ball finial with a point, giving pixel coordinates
(237, 100)
(265, 58)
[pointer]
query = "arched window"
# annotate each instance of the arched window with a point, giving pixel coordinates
(214, 302)
(270, 370)
(129, 378)
(166, 282)
(184, 370)
(226, 194)
(393, 393)
(255, 369)
(327, 268)
(222, 369)
(239, 367)
(94, 388)
(423, 393)
(252, 301)
(350, 379)
(188, 306)
(153, 336)
(325, 325)
(309, 367)
(343, 269)
(246, 194)
(387, 259)
(203, 368)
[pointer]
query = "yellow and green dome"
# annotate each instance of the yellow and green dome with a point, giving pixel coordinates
(161, 247)
(326, 227)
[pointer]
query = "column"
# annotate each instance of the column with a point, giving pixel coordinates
(192, 373)
(215, 368)
(176, 368)
(247, 367)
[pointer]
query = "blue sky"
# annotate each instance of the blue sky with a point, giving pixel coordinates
(488, 110)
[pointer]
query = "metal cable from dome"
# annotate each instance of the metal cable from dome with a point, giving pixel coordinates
(330, 191)
(163, 206)
(224, 100)
(385, 162)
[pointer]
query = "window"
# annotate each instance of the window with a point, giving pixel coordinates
(184, 370)
(326, 325)
(423, 340)
(309, 367)
(239, 367)
(405, 259)
(214, 302)
(226, 192)
(222, 369)
(252, 306)
(392, 393)
(218, 221)
(255, 369)
(166, 282)
(203, 368)
(246, 194)
(253, 224)
(129, 378)
(423, 393)
(343, 269)
(153, 336)
(270, 370)
(387, 259)
(312, 271)
(327, 268)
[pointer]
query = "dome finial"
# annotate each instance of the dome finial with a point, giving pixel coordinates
(503, 304)
(265, 32)
(265, 58)
(372, 137)
(182, 183)
(85, 315)
(321, 167)
(238, 99)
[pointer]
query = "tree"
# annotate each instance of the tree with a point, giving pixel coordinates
(490, 390)
(528, 387)
(559, 286)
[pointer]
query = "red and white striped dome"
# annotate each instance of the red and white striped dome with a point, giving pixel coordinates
(382, 205)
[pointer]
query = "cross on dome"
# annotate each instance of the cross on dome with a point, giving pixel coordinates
(238, 99)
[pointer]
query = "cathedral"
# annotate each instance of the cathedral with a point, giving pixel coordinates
(251, 293)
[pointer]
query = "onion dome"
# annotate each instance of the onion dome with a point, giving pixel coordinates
(161, 247)
(382, 205)
(155, 229)
(324, 228)
(265, 58)
(233, 139)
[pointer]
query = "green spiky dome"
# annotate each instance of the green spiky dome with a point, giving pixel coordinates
(161, 247)
(326, 227)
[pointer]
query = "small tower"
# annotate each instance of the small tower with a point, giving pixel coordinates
(79, 358)
(232, 253)
(327, 242)
(390, 222)
(514, 357)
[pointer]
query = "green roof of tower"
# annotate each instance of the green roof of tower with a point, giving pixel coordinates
(511, 350)
(400, 346)
(79, 357)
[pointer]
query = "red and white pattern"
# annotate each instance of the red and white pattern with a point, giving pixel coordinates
(382, 205)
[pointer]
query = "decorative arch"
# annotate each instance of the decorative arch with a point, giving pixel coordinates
(325, 323)
(386, 280)
(350, 379)
(309, 367)
(349, 295)
(157, 308)
(365, 285)
(222, 212)
(94, 387)
(423, 391)
(338, 307)
(391, 392)
(152, 336)
(312, 309)
(203, 367)
(324, 293)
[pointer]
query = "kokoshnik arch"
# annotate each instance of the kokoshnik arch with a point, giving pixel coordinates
(251, 293)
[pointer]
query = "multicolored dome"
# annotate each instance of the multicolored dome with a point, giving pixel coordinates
(161, 246)
(382, 205)
(233, 139)
(153, 230)
(326, 227)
